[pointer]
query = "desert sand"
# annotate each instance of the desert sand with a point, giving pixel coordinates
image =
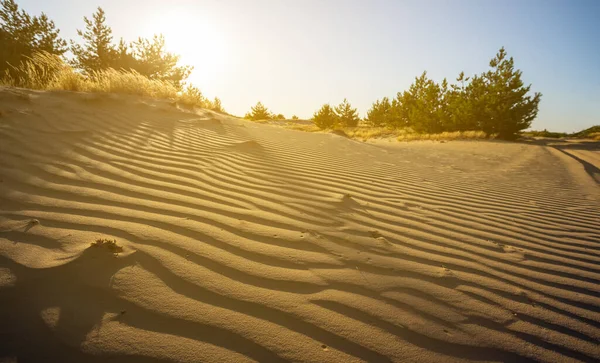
(249, 242)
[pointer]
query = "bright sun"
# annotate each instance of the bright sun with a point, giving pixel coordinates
(198, 41)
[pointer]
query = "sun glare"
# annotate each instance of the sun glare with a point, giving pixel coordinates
(198, 41)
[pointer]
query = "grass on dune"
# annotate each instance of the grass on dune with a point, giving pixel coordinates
(44, 71)
(446, 136)
(595, 136)
(110, 245)
(364, 133)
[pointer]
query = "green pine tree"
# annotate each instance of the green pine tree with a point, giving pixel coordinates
(422, 106)
(348, 116)
(154, 62)
(325, 117)
(217, 106)
(97, 51)
(22, 35)
(258, 112)
(508, 108)
(380, 113)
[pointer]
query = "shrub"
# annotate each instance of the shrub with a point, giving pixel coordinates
(496, 102)
(108, 244)
(191, 96)
(380, 113)
(325, 117)
(258, 112)
(22, 35)
(445, 136)
(347, 116)
(45, 71)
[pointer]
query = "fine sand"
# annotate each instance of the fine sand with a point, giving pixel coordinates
(249, 242)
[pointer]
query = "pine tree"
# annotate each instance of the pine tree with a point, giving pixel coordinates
(348, 116)
(97, 52)
(258, 112)
(422, 107)
(47, 37)
(124, 58)
(154, 62)
(398, 116)
(22, 35)
(507, 107)
(460, 101)
(380, 113)
(217, 106)
(325, 117)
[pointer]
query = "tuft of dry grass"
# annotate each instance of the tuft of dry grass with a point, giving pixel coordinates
(45, 71)
(367, 133)
(445, 136)
(364, 133)
(109, 244)
(595, 136)
(301, 127)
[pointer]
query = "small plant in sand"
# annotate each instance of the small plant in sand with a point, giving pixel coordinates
(109, 244)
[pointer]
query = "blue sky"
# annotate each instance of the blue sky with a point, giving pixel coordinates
(296, 55)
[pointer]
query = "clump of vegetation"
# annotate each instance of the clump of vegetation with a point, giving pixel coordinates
(495, 102)
(545, 133)
(33, 57)
(342, 116)
(347, 116)
(367, 133)
(325, 117)
(260, 112)
(22, 35)
(45, 71)
(109, 244)
(589, 133)
(446, 136)
(301, 127)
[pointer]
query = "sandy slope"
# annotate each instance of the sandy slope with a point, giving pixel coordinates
(248, 242)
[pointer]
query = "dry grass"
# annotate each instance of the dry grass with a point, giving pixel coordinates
(44, 71)
(595, 136)
(110, 245)
(364, 133)
(301, 127)
(445, 136)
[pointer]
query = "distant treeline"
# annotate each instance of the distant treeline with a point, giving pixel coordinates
(495, 102)
(589, 133)
(22, 36)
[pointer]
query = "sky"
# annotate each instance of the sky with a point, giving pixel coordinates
(294, 56)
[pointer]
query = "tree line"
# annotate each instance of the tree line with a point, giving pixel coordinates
(260, 112)
(496, 102)
(23, 35)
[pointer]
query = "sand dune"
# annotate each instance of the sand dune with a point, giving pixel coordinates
(249, 242)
